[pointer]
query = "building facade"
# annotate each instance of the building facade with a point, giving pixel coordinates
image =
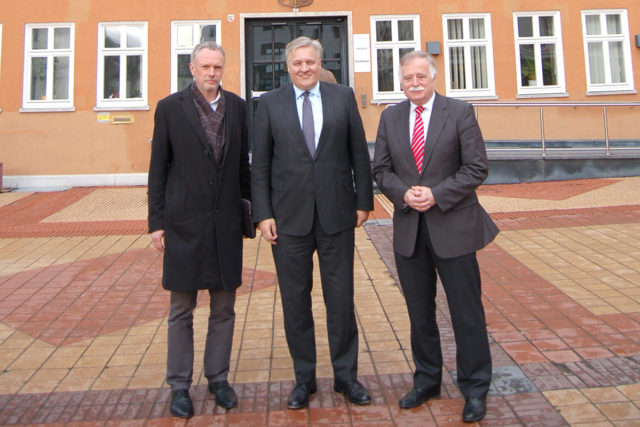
(79, 79)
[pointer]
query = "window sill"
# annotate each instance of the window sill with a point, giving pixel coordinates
(387, 101)
(123, 108)
(542, 95)
(46, 109)
(612, 92)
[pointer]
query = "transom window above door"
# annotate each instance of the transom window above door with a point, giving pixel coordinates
(185, 35)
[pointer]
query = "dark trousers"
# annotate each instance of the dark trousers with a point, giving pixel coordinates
(217, 350)
(460, 278)
(293, 256)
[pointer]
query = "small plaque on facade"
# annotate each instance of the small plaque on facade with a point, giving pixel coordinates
(104, 118)
(295, 3)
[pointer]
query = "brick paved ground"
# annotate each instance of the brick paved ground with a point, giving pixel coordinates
(83, 318)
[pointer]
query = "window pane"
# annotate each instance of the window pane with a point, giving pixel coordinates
(134, 37)
(336, 68)
(596, 62)
(456, 58)
(262, 44)
(405, 30)
(476, 27)
(111, 77)
(39, 38)
(281, 35)
(383, 31)
(184, 74)
(61, 38)
(525, 26)
(403, 51)
(549, 69)
(546, 26)
(208, 33)
(310, 30)
(184, 36)
(134, 76)
(112, 37)
(527, 65)
(479, 67)
(613, 24)
(38, 78)
(61, 77)
(593, 25)
(385, 70)
(454, 27)
(617, 62)
(262, 77)
(331, 42)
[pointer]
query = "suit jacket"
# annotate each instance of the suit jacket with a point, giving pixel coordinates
(455, 164)
(289, 185)
(195, 202)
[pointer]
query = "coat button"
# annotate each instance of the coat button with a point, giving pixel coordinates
(211, 181)
(206, 152)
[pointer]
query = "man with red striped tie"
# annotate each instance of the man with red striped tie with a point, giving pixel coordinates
(429, 159)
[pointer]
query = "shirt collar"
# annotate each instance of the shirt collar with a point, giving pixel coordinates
(313, 91)
(427, 106)
(215, 101)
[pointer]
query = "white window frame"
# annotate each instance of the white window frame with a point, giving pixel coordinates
(537, 40)
(176, 50)
(395, 45)
(50, 53)
(608, 86)
(467, 43)
(103, 103)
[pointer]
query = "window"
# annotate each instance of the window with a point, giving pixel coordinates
(48, 67)
(468, 55)
(184, 36)
(122, 65)
(539, 59)
(607, 50)
(392, 37)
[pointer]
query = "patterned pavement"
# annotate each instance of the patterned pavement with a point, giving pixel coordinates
(83, 317)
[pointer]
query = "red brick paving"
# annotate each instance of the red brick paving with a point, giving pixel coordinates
(547, 190)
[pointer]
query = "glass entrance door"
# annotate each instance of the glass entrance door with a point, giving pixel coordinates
(266, 39)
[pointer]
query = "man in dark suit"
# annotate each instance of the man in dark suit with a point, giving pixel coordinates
(311, 184)
(429, 159)
(198, 173)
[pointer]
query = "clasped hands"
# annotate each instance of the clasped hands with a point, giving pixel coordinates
(419, 198)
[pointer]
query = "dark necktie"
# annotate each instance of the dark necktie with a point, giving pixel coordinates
(307, 124)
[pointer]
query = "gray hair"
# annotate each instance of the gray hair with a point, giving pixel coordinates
(433, 70)
(303, 41)
(206, 45)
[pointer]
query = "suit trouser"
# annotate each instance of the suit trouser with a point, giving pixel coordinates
(460, 278)
(293, 256)
(217, 350)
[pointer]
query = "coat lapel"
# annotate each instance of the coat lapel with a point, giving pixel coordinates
(190, 112)
(439, 116)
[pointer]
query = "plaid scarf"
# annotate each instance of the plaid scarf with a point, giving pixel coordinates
(212, 121)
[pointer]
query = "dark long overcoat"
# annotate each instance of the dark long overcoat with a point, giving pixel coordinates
(195, 202)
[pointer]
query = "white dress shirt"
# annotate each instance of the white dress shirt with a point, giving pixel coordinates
(316, 106)
(426, 116)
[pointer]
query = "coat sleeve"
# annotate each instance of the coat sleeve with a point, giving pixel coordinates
(158, 169)
(474, 166)
(383, 169)
(360, 160)
(245, 168)
(261, 165)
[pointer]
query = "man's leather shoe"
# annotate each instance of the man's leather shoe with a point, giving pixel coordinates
(181, 405)
(417, 396)
(225, 396)
(299, 397)
(353, 391)
(475, 409)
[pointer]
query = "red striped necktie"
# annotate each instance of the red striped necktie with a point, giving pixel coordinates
(417, 140)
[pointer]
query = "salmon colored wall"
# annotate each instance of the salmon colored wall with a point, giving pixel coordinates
(74, 143)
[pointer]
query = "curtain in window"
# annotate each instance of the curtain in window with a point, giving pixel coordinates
(596, 62)
(549, 69)
(479, 67)
(616, 58)
(476, 27)
(593, 25)
(455, 29)
(614, 26)
(456, 59)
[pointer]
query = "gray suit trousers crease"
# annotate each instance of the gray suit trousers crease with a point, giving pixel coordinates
(180, 353)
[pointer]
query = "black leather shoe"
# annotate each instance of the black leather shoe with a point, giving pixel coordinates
(181, 405)
(225, 396)
(299, 397)
(475, 409)
(353, 391)
(417, 396)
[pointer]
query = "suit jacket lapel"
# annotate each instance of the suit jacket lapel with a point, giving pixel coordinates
(401, 125)
(290, 109)
(436, 122)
